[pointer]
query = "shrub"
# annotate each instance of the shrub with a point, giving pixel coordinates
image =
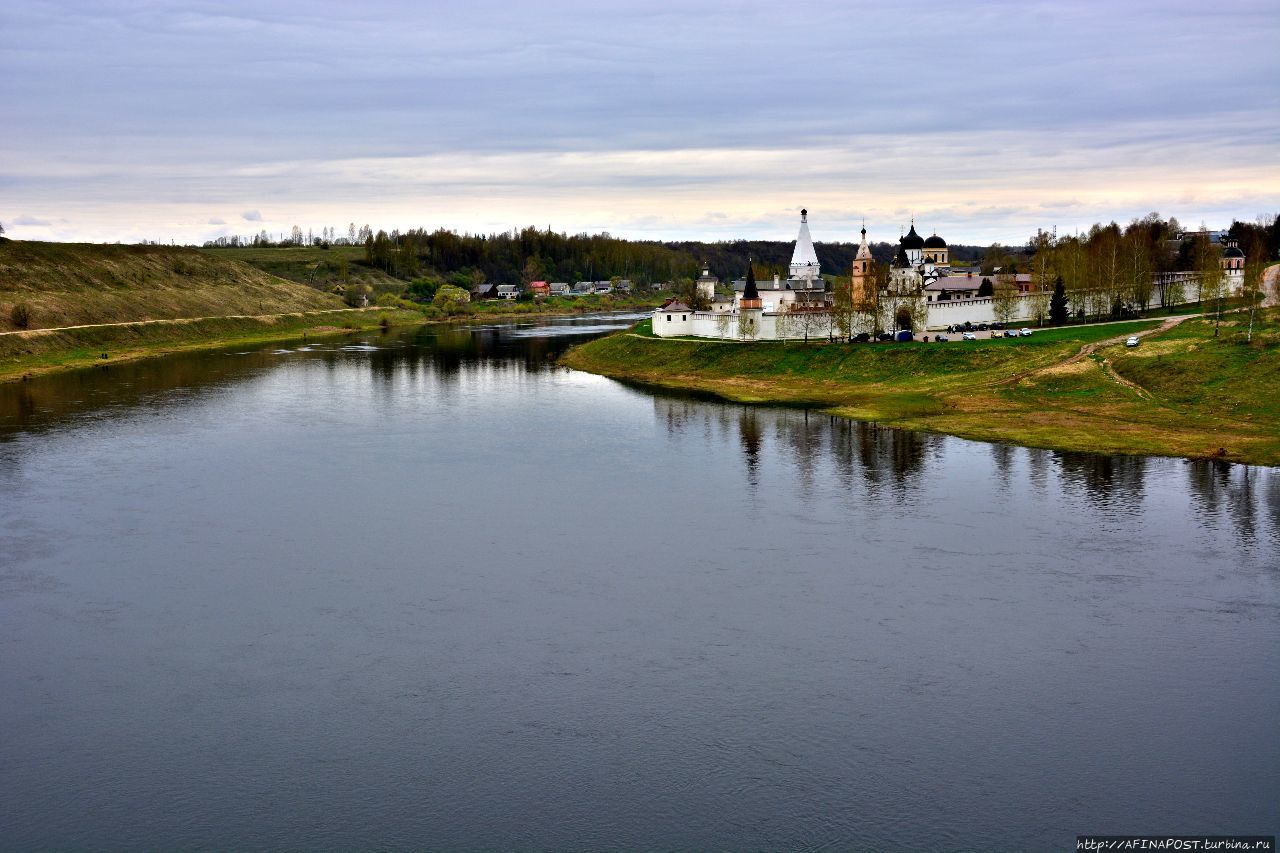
(20, 315)
(450, 299)
(357, 295)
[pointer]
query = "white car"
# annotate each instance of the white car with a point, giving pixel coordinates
(969, 336)
(1026, 333)
(1132, 342)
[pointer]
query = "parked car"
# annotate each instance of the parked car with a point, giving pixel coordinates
(982, 327)
(969, 336)
(1132, 342)
(904, 335)
(941, 338)
(1026, 333)
(997, 326)
(1009, 333)
(884, 336)
(862, 337)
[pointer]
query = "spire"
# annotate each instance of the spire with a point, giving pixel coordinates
(864, 251)
(804, 260)
(750, 291)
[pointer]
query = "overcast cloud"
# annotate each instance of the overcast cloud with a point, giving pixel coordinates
(709, 120)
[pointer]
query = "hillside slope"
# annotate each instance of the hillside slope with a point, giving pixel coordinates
(68, 284)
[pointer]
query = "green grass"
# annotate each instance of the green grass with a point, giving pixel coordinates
(1190, 370)
(34, 353)
(1199, 397)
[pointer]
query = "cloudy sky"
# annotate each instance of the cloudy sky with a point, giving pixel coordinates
(709, 120)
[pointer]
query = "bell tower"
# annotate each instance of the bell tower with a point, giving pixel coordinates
(863, 277)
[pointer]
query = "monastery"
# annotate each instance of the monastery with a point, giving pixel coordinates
(922, 293)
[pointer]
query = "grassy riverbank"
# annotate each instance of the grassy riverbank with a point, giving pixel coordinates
(33, 353)
(1183, 392)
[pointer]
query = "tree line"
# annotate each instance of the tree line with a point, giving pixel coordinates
(533, 254)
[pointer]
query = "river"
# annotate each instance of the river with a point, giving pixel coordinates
(425, 588)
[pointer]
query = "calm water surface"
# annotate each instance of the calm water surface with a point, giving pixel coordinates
(427, 589)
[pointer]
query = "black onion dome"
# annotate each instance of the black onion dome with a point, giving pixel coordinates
(935, 242)
(901, 260)
(1233, 252)
(912, 240)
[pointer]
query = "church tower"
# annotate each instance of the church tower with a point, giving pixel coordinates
(863, 278)
(804, 260)
(750, 308)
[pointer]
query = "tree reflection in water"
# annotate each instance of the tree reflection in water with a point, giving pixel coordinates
(880, 462)
(881, 457)
(1243, 495)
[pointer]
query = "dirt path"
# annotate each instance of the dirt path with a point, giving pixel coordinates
(1090, 348)
(178, 320)
(1271, 286)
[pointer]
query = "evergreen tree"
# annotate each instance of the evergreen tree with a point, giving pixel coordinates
(1058, 303)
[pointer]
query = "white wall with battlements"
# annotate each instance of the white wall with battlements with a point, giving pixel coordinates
(952, 312)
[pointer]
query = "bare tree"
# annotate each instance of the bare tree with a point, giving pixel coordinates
(1255, 271)
(812, 322)
(1004, 298)
(1043, 275)
(786, 321)
(1209, 267)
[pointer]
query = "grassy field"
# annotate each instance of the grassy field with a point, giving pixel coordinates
(1181, 393)
(68, 284)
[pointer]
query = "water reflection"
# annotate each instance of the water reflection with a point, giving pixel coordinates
(1113, 485)
(887, 463)
(1245, 496)
(444, 352)
(875, 461)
